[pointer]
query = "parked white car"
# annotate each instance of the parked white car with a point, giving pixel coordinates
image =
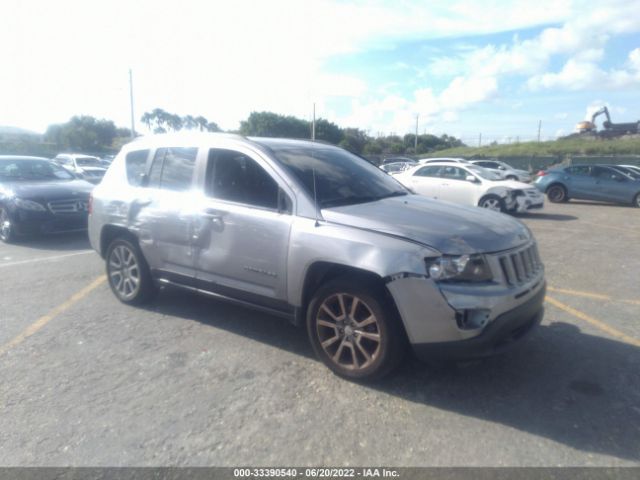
(471, 185)
(505, 170)
(87, 167)
(425, 161)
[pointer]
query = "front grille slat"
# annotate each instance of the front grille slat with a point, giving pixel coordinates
(68, 206)
(521, 265)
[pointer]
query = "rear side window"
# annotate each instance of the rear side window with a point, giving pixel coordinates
(136, 163)
(235, 177)
(578, 170)
(428, 172)
(172, 168)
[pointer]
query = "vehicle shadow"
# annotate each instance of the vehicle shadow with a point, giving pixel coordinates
(562, 384)
(596, 203)
(546, 216)
(56, 242)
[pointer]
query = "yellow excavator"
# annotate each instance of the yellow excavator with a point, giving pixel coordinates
(610, 129)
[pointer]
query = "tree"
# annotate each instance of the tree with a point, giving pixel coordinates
(268, 124)
(355, 140)
(84, 133)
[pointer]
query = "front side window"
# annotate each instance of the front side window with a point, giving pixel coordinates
(236, 177)
(453, 173)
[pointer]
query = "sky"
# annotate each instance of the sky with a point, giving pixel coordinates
(492, 69)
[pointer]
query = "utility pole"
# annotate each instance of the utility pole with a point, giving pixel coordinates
(133, 127)
(539, 127)
(480, 139)
(415, 143)
(313, 124)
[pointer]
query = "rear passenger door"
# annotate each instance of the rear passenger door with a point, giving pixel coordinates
(579, 181)
(426, 181)
(165, 213)
(242, 229)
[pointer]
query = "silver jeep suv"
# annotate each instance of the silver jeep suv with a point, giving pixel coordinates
(312, 233)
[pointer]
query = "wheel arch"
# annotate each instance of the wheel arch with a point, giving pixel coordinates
(109, 232)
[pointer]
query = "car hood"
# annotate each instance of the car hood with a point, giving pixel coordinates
(48, 190)
(449, 228)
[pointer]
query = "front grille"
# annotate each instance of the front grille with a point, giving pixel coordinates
(68, 206)
(521, 265)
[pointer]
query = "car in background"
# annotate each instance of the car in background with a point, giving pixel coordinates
(424, 161)
(470, 184)
(398, 159)
(630, 172)
(506, 171)
(588, 182)
(39, 196)
(106, 160)
(396, 167)
(87, 167)
(635, 168)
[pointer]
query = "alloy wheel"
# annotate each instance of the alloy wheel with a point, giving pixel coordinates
(348, 331)
(492, 204)
(556, 194)
(124, 272)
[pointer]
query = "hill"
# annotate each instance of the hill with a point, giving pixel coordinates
(572, 146)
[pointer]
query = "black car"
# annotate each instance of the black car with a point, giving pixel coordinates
(38, 196)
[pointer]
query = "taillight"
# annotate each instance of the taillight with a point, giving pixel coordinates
(541, 173)
(90, 205)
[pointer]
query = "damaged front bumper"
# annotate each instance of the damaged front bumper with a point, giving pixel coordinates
(524, 201)
(465, 320)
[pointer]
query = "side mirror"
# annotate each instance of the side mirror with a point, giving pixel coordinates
(471, 178)
(501, 167)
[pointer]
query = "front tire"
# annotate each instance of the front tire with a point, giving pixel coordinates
(492, 202)
(354, 331)
(557, 194)
(636, 201)
(7, 230)
(128, 272)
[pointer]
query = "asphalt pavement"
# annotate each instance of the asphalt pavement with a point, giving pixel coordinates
(87, 381)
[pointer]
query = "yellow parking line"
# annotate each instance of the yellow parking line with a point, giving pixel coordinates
(595, 296)
(42, 321)
(614, 332)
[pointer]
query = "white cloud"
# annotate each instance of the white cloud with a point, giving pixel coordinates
(561, 115)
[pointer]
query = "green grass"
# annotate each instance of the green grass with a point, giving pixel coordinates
(569, 146)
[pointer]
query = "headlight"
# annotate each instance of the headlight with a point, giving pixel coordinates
(463, 268)
(29, 205)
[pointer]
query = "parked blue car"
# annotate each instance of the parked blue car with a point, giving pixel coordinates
(589, 182)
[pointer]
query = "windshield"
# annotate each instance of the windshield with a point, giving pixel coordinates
(88, 162)
(484, 173)
(19, 169)
(340, 177)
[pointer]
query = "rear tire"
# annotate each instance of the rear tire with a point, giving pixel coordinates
(128, 272)
(7, 230)
(354, 331)
(557, 194)
(512, 177)
(492, 202)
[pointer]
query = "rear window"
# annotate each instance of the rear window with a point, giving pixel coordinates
(173, 168)
(136, 163)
